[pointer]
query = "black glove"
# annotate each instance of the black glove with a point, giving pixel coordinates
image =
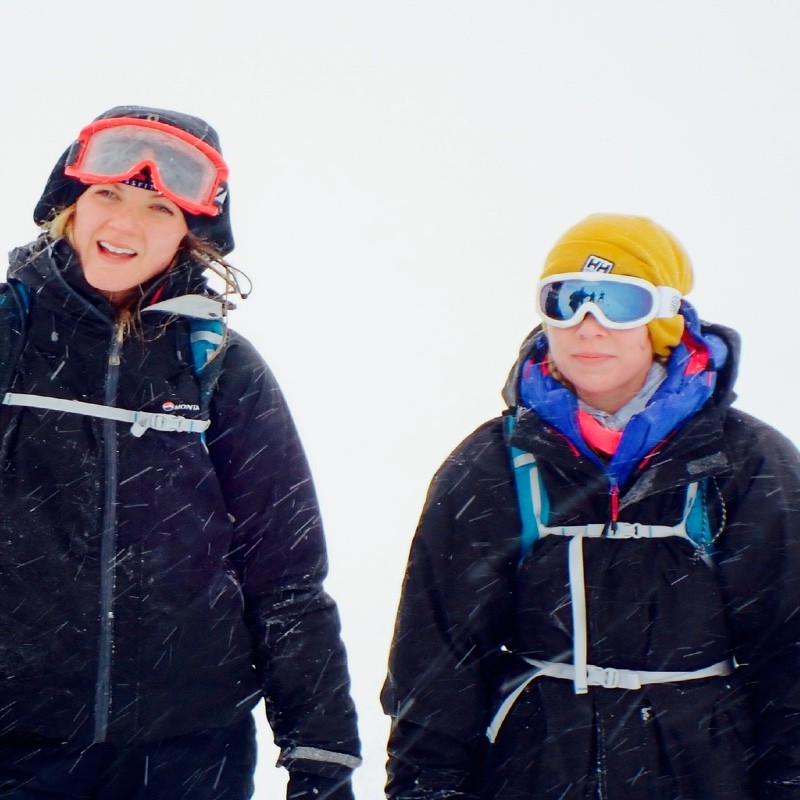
(305, 786)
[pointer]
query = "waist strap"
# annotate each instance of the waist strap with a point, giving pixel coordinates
(607, 677)
(140, 420)
(611, 678)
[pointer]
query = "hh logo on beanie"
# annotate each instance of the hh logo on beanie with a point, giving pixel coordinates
(597, 264)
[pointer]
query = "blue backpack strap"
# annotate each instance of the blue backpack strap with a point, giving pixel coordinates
(22, 296)
(206, 337)
(14, 309)
(698, 524)
(523, 464)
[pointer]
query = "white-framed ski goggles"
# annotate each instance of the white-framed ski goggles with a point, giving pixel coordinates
(183, 168)
(618, 302)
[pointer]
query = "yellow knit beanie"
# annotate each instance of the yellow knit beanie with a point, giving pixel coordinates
(633, 246)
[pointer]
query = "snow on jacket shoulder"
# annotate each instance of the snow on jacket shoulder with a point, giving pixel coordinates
(475, 611)
(143, 579)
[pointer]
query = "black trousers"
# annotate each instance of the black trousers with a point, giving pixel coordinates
(211, 765)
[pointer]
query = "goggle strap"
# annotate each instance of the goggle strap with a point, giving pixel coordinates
(669, 302)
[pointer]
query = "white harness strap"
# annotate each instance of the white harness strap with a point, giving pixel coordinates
(577, 583)
(140, 420)
(577, 591)
(581, 673)
(608, 678)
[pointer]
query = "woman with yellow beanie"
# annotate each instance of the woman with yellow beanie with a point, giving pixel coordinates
(602, 595)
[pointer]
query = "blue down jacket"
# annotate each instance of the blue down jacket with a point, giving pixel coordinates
(476, 608)
(154, 586)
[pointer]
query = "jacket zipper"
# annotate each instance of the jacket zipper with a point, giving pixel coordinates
(108, 546)
(599, 789)
(613, 499)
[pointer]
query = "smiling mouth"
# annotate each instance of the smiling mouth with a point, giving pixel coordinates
(116, 251)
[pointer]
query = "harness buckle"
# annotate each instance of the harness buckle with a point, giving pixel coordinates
(610, 678)
(165, 422)
(157, 422)
(625, 530)
(607, 677)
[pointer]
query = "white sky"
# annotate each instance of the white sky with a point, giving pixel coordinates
(399, 171)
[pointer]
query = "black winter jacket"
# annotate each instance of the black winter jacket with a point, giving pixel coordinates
(154, 586)
(474, 606)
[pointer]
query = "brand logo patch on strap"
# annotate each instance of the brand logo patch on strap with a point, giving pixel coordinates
(597, 264)
(169, 406)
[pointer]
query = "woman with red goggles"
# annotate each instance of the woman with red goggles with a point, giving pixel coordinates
(161, 552)
(601, 599)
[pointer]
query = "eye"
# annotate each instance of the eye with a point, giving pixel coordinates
(104, 192)
(163, 205)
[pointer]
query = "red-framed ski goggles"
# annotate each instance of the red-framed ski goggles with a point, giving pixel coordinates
(183, 168)
(618, 302)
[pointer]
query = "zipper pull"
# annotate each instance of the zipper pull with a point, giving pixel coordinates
(614, 500)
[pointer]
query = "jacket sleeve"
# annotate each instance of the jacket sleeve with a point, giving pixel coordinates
(279, 551)
(454, 610)
(759, 566)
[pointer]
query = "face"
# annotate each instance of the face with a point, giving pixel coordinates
(124, 236)
(606, 367)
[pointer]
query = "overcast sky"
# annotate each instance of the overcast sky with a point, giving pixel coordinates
(399, 171)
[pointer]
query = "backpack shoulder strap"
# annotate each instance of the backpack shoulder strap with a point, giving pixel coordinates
(698, 524)
(206, 317)
(14, 309)
(207, 337)
(524, 467)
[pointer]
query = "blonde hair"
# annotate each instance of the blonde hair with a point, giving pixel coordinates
(60, 225)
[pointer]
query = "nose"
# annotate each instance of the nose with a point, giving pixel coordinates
(591, 326)
(124, 218)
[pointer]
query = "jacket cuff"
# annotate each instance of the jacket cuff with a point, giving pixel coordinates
(319, 761)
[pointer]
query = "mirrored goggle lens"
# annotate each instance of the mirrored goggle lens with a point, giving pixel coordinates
(622, 303)
(180, 169)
